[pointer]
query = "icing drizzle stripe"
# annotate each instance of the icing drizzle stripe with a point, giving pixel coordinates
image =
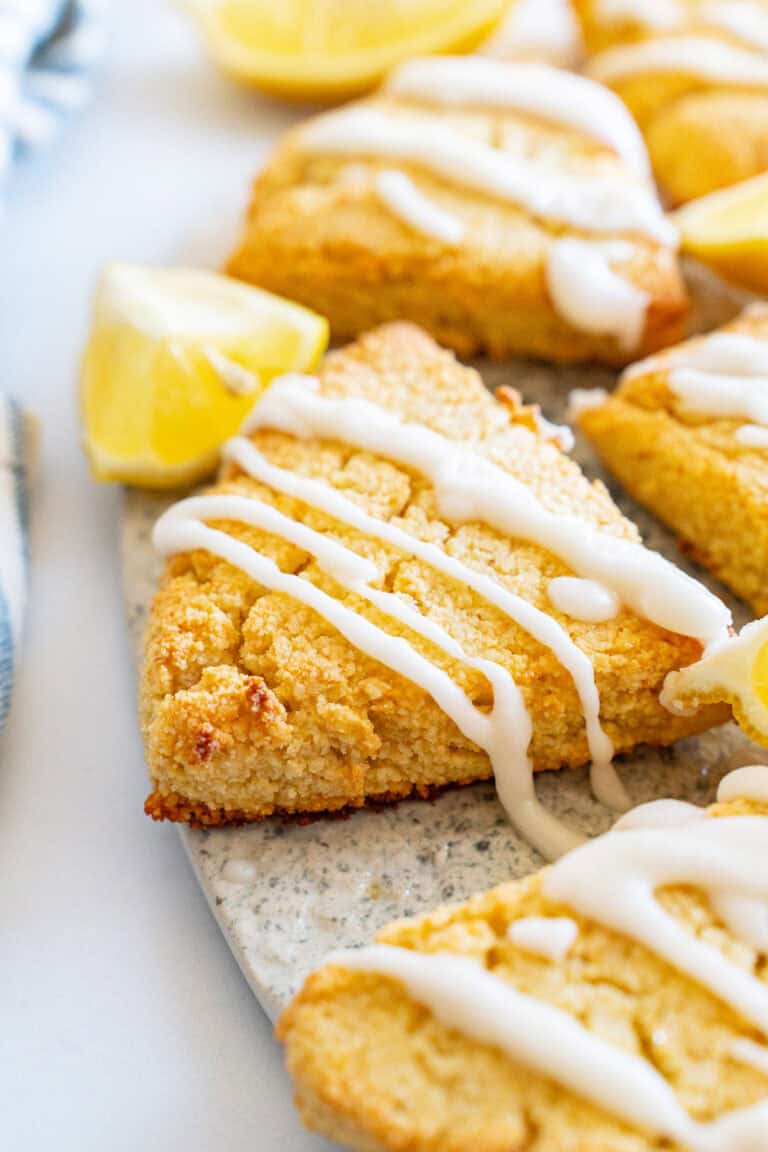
(469, 487)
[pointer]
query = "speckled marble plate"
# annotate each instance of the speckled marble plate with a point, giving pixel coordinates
(285, 895)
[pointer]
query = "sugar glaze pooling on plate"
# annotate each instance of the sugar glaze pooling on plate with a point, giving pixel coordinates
(467, 487)
(583, 285)
(613, 881)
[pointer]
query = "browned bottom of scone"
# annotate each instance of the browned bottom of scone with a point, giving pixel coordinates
(182, 811)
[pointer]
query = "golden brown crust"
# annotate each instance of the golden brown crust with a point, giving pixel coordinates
(373, 1069)
(178, 810)
(317, 232)
(692, 473)
(252, 703)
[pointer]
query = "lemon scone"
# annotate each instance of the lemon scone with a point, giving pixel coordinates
(616, 1002)
(505, 207)
(686, 432)
(695, 75)
(401, 584)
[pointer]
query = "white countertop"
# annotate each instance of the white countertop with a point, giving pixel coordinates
(126, 1024)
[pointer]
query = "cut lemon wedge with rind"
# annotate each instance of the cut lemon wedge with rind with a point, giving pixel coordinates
(728, 231)
(733, 671)
(328, 49)
(174, 362)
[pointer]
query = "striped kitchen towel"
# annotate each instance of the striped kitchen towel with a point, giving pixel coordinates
(47, 50)
(16, 450)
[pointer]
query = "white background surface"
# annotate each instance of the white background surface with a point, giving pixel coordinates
(124, 1022)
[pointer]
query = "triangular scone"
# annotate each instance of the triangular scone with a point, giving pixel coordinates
(527, 1024)
(686, 432)
(254, 703)
(695, 76)
(504, 207)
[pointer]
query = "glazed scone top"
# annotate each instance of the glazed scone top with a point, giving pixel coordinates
(630, 977)
(659, 52)
(462, 150)
(472, 469)
(742, 22)
(717, 383)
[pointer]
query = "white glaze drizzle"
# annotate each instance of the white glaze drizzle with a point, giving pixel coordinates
(599, 205)
(752, 436)
(469, 487)
(504, 733)
(714, 395)
(650, 13)
(590, 295)
(613, 881)
(583, 599)
(465, 996)
(725, 374)
(746, 21)
(400, 195)
(659, 814)
(536, 623)
(549, 936)
(747, 1052)
(552, 94)
(748, 783)
(582, 399)
(545, 30)
(559, 434)
(235, 377)
(703, 57)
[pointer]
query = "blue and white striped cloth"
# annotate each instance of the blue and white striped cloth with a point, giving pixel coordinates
(47, 50)
(16, 450)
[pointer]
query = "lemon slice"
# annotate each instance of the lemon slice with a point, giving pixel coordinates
(174, 362)
(759, 676)
(728, 230)
(734, 671)
(333, 48)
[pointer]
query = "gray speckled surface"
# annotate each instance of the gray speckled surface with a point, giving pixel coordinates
(285, 895)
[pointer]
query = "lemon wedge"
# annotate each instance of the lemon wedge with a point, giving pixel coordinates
(728, 230)
(760, 675)
(333, 48)
(174, 362)
(733, 671)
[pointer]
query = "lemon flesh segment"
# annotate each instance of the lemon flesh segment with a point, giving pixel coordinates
(728, 230)
(760, 676)
(334, 48)
(174, 363)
